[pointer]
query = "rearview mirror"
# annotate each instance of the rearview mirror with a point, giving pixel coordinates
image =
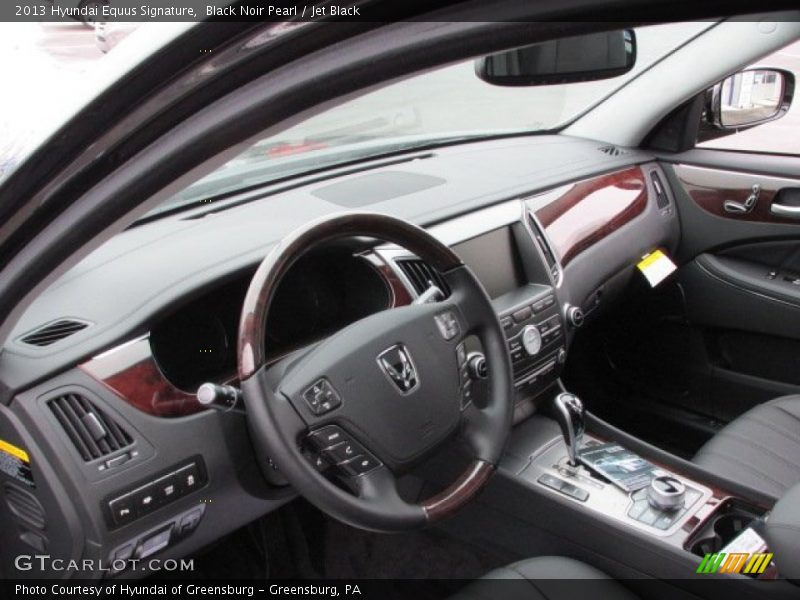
(749, 98)
(567, 60)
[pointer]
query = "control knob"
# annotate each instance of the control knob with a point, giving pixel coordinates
(666, 493)
(575, 316)
(476, 362)
(531, 340)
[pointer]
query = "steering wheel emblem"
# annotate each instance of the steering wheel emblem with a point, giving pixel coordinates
(396, 363)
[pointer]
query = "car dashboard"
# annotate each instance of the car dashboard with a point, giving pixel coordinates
(120, 449)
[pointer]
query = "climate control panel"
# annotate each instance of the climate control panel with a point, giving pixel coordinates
(536, 339)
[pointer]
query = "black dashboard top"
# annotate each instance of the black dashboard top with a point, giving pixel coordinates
(137, 277)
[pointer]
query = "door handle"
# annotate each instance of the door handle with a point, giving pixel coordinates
(742, 208)
(786, 203)
(781, 210)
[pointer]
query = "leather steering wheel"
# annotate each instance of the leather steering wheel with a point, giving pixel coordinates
(382, 394)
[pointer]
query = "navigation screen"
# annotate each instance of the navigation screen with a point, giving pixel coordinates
(494, 259)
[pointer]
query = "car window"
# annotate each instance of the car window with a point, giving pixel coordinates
(780, 136)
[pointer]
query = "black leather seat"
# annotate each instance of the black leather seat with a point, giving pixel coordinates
(760, 449)
(545, 578)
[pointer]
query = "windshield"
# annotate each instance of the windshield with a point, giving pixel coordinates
(447, 104)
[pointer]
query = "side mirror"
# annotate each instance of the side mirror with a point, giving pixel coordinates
(748, 98)
(581, 58)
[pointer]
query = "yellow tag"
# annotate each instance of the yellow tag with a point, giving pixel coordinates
(14, 451)
(656, 267)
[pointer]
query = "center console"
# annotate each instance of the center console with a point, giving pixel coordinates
(676, 519)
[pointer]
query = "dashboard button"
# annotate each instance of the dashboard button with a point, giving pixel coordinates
(145, 500)
(188, 479)
(154, 543)
(190, 520)
(123, 552)
(122, 510)
(506, 322)
(166, 489)
(522, 315)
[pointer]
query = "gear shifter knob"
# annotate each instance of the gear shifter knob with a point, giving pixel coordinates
(569, 413)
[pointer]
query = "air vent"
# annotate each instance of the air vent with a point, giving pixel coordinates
(421, 275)
(24, 506)
(53, 332)
(544, 246)
(93, 433)
(662, 200)
(612, 150)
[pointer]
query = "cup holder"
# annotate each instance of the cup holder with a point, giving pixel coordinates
(732, 519)
(728, 527)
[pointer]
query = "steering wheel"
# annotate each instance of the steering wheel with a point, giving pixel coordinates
(382, 394)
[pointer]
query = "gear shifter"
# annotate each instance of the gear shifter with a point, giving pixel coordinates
(569, 413)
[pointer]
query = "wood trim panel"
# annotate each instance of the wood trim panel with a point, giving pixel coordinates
(400, 296)
(710, 188)
(591, 210)
(131, 372)
(459, 493)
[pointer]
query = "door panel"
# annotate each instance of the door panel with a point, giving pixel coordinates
(727, 193)
(741, 277)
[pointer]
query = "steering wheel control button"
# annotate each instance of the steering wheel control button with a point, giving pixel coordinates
(360, 465)
(322, 397)
(317, 460)
(477, 366)
(461, 354)
(448, 325)
(343, 452)
(327, 437)
(531, 340)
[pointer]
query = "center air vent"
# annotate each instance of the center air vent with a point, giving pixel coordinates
(53, 332)
(544, 246)
(612, 150)
(93, 433)
(421, 275)
(24, 506)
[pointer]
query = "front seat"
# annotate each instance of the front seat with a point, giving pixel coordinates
(760, 449)
(545, 578)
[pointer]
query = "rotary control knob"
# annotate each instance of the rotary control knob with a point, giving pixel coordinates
(666, 493)
(575, 316)
(531, 340)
